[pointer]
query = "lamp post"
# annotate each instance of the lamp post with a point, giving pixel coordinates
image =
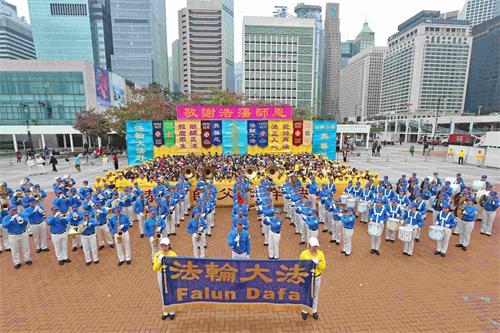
(479, 109)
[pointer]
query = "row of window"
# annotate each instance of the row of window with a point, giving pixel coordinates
(68, 9)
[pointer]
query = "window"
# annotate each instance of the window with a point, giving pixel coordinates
(68, 9)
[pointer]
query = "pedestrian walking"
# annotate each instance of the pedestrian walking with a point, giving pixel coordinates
(31, 163)
(379, 147)
(105, 163)
(412, 150)
(374, 148)
(344, 155)
(115, 160)
(461, 156)
(19, 156)
(427, 153)
(449, 156)
(479, 158)
(78, 162)
(53, 162)
(39, 163)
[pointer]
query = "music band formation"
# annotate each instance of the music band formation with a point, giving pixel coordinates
(92, 217)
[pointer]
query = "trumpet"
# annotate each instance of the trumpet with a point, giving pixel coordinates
(188, 172)
(208, 172)
(250, 172)
(37, 196)
(5, 206)
(18, 194)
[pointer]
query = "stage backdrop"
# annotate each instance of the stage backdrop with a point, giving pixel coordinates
(208, 281)
(180, 137)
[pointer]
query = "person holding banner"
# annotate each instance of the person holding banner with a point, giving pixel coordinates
(318, 257)
(165, 251)
(239, 241)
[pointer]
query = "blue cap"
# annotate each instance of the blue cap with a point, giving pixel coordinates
(152, 210)
(350, 209)
(446, 205)
(97, 202)
(414, 205)
(54, 208)
(115, 193)
(378, 200)
(308, 202)
(88, 196)
(27, 190)
(447, 182)
(117, 209)
(85, 181)
(12, 207)
(393, 200)
(358, 183)
(58, 191)
(74, 207)
(484, 176)
(30, 200)
(493, 192)
(72, 189)
(386, 177)
(86, 212)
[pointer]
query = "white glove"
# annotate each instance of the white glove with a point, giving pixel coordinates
(200, 229)
(340, 214)
(237, 239)
(315, 261)
(121, 227)
(158, 229)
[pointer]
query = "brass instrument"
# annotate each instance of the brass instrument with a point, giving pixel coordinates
(208, 172)
(157, 235)
(4, 193)
(456, 198)
(74, 232)
(188, 172)
(119, 233)
(482, 200)
(67, 185)
(18, 194)
(459, 210)
(272, 172)
(5, 206)
(37, 196)
(250, 172)
(19, 219)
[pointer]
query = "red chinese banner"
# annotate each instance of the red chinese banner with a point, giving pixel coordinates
(206, 133)
(298, 132)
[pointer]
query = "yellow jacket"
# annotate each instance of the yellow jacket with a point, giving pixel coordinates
(321, 266)
(461, 153)
(479, 156)
(157, 263)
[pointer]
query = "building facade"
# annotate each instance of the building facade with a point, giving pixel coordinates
(16, 40)
(206, 37)
(483, 86)
(330, 106)
(238, 77)
(176, 67)
(346, 53)
(278, 55)
(426, 65)
(314, 12)
(364, 40)
(61, 29)
(139, 35)
(478, 11)
(100, 27)
(360, 85)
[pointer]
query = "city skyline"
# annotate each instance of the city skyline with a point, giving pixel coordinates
(351, 16)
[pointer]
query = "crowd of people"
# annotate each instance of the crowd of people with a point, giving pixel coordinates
(156, 197)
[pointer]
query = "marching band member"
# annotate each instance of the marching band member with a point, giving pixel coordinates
(58, 229)
(102, 231)
(119, 225)
(365, 195)
(393, 210)
(4, 234)
(318, 257)
(336, 224)
(165, 251)
(87, 203)
(312, 188)
(356, 190)
(36, 218)
(75, 219)
(140, 206)
(274, 237)
(378, 214)
(467, 220)
(322, 196)
(312, 224)
(74, 199)
(445, 219)
(197, 227)
(89, 239)
(16, 224)
(303, 213)
(348, 188)
(85, 189)
(241, 218)
(154, 228)
(422, 208)
(61, 202)
(490, 207)
(348, 220)
(239, 241)
(414, 218)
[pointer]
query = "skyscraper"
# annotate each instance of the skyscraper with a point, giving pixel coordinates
(426, 65)
(360, 85)
(16, 41)
(278, 55)
(100, 27)
(61, 29)
(483, 86)
(346, 53)
(238, 77)
(176, 67)
(331, 78)
(364, 40)
(478, 11)
(206, 29)
(314, 12)
(139, 31)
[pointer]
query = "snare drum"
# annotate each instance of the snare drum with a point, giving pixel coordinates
(392, 224)
(478, 185)
(406, 233)
(343, 199)
(436, 232)
(362, 206)
(351, 203)
(375, 229)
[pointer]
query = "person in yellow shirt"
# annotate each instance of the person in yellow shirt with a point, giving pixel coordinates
(98, 183)
(165, 251)
(461, 156)
(449, 157)
(318, 257)
(479, 158)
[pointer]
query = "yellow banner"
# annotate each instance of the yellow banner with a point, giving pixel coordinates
(187, 137)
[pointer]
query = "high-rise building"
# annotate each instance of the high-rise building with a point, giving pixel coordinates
(139, 31)
(360, 85)
(100, 27)
(238, 77)
(314, 12)
(16, 41)
(278, 55)
(176, 67)
(364, 40)
(426, 65)
(206, 34)
(478, 11)
(483, 86)
(332, 53)
(61, 29)
(346, 53)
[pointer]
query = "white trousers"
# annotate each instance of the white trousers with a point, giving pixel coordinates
(40, 235)
(274, 245)
(265, 230)
(19, 243)
(77, 241)
(243, 255)
(317, 283)
(41, 168)
(459, 227)
(442, 245)
(103, 233)
(154, 249)
(4, 242)
(375, 242)
(467, 228)
(364, 216)
(187, 203)
(311, 233)
(312, 198)
(488, 219)
(123, 250)
(60, 242)
(337, 230)
(210, 222)
(177, 211)
(89, 244)
(164, 308)
(171, 223)
(348, 240)
(140, 221)
(198, 245)
(408, 246)
(390, 235)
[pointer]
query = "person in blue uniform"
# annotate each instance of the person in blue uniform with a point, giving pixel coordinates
(197, 228)
(422, 208)
(275, 224)
(348, 220)
(89, 239)
(239, 241)
(394, 211)
(445, 219)
(312, 224)
(119, 225)
(58, 225)
(312, 188)
(378, 214)
(16, 225)
(154, 229)
(490, 207)
(36, 217)
(412, 218)
(61, 202)
(468, 218)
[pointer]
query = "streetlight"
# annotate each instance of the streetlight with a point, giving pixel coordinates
(479, 108)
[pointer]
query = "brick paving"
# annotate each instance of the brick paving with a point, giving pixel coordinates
(363, 292)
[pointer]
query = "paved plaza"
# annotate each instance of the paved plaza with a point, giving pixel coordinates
(363, 292)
